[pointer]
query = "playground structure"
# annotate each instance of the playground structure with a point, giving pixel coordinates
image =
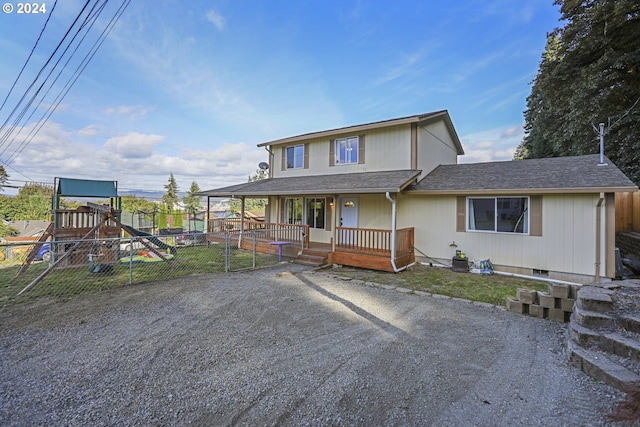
(89, 235)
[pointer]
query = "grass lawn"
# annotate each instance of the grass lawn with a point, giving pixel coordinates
(493, 289)
(70, 282)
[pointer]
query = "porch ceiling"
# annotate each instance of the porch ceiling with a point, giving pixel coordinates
(349, 183)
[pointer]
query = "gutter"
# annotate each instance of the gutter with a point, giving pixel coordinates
(393, 234)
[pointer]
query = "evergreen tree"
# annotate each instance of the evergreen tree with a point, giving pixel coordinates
(171, 198)
(4, 177)
(589, 74)
(163, 222)
(177, 219)
(191, 202)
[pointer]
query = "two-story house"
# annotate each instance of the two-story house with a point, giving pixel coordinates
(375, 195)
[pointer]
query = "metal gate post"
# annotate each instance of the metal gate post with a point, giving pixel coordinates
(227, 253)
(130, 262)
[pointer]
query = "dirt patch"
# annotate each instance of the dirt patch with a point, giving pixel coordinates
(268, 347)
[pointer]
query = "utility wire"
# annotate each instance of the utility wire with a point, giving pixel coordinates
(623, 115)
(73, 79)
(87, 24)
(4, 138)
(33, 83)
(30, 54)
(40, 123)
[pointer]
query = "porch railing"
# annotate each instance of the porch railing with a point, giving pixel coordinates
(370, 240)
(264, 230)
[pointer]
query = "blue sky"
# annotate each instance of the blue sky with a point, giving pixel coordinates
(191, 88)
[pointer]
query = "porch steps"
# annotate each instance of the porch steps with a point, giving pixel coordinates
(311, 257)
(604, 339)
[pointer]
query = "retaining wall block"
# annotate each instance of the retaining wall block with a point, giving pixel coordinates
(559, 290)
(556, 314)
(567, 304)
(536, 310)
(546, 300)
(573, 291)
(527, 296)
(515, 306)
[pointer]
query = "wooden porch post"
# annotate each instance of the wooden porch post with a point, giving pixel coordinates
(335, 222)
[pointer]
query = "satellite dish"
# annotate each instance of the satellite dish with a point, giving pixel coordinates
(263, 165)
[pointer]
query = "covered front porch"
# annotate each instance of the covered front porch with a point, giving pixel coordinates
(320, 218)
(356, 247)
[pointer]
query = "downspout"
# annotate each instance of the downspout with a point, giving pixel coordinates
(393, 234)
(266, 147)
(598, 235)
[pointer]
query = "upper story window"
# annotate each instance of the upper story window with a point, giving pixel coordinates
(498, 214)
(347, 150)
(295, 157)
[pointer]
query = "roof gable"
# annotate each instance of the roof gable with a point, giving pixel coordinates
(421, 118)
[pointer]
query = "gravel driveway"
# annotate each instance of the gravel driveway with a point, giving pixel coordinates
(266, 348)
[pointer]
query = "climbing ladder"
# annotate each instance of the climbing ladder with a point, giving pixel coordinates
(34, 250)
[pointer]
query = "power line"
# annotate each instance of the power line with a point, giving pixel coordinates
(33, 83)
(74, 77)
(30, 54)
(87, 24)
(24, 110)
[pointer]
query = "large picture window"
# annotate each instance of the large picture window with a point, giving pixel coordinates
(295, 157)
(315, 212)
(347, 150)
(498, 214)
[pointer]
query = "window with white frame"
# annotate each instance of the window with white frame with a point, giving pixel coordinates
(346, 150)
(315, 212)
(293, 211)
(498, 214)
(295, 157)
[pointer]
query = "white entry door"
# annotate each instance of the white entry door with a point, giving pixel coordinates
(348, 219)
(349, 212)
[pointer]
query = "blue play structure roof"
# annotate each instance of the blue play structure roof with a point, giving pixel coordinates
(86, 188)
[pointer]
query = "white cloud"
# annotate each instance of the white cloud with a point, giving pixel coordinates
(132, 111)
(89, 131)
(491, 145)
(133, 145)
(134, 160)
(216, 19)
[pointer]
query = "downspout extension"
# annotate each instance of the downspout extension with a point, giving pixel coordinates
(393, 234)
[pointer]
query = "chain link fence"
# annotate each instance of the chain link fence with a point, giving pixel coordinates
(60, 270)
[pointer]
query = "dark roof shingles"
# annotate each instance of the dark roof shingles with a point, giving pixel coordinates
(577, 172)
(363, 182)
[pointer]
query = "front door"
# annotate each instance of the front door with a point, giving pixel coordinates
(348, 219)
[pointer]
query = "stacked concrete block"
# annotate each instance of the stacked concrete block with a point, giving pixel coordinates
(556, 304)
